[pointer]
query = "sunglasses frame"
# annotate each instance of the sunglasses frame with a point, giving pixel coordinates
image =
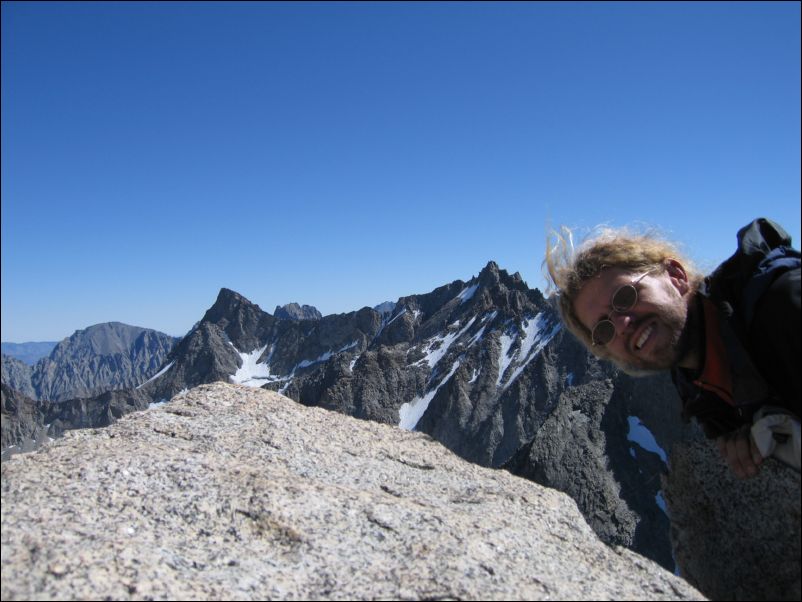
(617, 309)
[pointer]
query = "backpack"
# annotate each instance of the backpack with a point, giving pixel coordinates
(764, 253)
(736, 288)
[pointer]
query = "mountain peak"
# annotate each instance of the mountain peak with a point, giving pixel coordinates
(385, 308)
(294, 311)
(489, 276)
(492, 275)
(244, 323)
(226, 295)
(228, 302)
(105, 338)
(489, 272)
(99, 358)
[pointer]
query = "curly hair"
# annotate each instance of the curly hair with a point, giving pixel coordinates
(570, 267)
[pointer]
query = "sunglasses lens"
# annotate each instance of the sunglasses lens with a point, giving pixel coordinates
(625, 298)
(603, 332)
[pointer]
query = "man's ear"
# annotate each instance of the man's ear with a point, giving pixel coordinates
(678, 276)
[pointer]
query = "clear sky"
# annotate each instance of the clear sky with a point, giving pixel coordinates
(345, 154)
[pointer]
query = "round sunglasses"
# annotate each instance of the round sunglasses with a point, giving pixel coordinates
(624, 298)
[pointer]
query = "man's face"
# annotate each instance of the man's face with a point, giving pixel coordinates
(649, 336)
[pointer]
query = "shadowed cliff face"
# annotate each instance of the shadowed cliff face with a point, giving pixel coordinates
(23, 421)
(236, 493)
(28, 423)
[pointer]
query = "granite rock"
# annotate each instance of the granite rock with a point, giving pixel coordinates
(734, 539)
(230, 492)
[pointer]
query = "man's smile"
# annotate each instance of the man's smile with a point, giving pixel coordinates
(644, 335)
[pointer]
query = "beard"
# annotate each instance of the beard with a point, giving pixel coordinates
(678, 322)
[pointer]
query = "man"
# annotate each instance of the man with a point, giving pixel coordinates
(731, 340)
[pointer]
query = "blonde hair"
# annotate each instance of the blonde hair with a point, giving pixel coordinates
(570, 267)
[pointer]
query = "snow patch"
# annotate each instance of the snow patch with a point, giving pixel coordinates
(467, 293)
(490, 317)
(410, 413)
(504, 359)
(157, 375)
(536, 337)
(305, 363)
(642, 436)
(348, 346)
(251, 373)
(485, 320)
(395, 317)
(433, 356)
(477, 337)
(661, 502)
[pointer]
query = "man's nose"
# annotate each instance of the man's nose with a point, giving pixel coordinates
(621, 321)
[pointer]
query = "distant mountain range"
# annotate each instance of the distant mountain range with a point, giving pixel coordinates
(100, 358)
(483, 366)
(28, 353)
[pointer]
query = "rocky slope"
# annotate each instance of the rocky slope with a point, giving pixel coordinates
(17, 375)
(23, 421)
(235, 493)
(28, 423)
(734, 539)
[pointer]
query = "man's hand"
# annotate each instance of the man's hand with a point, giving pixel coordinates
(740, 452)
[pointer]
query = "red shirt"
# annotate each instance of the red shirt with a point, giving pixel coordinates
(715, 375)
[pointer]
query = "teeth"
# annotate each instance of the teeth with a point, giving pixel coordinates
(642, 339)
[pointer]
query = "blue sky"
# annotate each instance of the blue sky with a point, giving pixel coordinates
(345, 154)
